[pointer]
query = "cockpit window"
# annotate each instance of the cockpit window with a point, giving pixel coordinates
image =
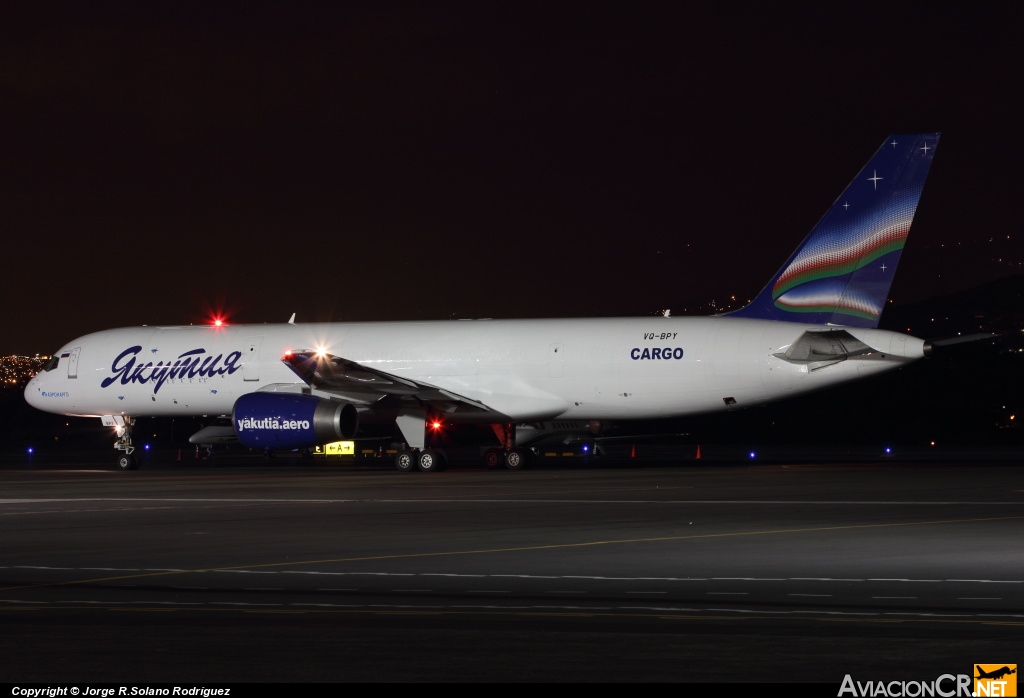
(52, 363)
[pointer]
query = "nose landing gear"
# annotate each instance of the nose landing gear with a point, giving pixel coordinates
(126, 461)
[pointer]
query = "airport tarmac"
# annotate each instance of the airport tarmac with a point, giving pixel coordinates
(238, 572)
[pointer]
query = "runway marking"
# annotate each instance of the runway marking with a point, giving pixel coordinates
(821, 502)
(1000, 615)
(667, 613)
(550, 492)
(522, 576)
(40, 567)
(222, 500)
(630, 579)
(541, 499)
(555, 546)
(449, 574)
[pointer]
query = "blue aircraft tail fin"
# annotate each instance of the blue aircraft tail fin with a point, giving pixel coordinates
(842, 271)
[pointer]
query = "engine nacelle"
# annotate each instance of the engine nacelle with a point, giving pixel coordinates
(286, 420)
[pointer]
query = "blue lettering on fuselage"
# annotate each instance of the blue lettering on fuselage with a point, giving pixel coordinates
(189, 364)
(663, 353)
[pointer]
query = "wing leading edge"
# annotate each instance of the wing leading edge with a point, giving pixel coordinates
(347, 380)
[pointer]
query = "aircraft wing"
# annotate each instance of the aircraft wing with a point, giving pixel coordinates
(356, 383)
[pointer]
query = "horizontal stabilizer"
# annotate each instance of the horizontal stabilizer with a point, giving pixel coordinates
(820, 348)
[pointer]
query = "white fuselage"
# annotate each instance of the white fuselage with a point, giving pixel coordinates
(526, 370)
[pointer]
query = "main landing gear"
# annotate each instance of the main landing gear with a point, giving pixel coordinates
(126, 461)
(508, 455)
(427, 460)
(418, 456)
(513, 458)
(412, 422)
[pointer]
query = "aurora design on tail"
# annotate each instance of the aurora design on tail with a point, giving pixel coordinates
(842, 272)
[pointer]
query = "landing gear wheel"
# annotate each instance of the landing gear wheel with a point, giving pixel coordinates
(430, 461)
(127, 462)
(493, 458)
(515, 459)
(405, 461)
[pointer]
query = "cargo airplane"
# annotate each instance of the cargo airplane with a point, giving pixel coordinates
(295, 385)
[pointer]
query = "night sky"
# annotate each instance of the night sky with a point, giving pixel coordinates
(389, 161)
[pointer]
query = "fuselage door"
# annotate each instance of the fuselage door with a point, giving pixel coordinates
(73, 362)
(251, 358)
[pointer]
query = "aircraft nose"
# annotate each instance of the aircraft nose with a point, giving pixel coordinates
(32, 390)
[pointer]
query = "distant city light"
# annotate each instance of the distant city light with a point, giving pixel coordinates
(18, 370)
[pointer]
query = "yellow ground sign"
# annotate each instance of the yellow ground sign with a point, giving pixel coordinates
(337, 448)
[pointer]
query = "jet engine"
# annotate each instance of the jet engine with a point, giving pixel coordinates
(285, 421)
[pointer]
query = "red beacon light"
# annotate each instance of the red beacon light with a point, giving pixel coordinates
(435, 425)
